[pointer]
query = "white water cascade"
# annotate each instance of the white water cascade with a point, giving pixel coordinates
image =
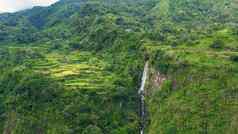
(141, 93)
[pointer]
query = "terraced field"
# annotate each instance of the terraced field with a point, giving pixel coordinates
(77, 70)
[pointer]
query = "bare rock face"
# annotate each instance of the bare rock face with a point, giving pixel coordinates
(159, 79)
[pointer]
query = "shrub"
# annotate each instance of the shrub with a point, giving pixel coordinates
(217, 44)
(234, 58)
(92, 130)
(75, 45)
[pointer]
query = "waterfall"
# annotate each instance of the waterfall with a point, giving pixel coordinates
(141, 93)
(144, 77)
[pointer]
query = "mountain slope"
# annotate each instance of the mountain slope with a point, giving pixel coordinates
(75, 67)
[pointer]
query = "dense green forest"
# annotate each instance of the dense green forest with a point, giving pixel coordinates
(75, 67)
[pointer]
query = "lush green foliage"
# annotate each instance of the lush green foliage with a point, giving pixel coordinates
(75, 67)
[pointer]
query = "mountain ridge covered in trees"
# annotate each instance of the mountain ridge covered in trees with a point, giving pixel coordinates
(75, 67)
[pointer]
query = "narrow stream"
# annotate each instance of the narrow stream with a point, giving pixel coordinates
(141, 93)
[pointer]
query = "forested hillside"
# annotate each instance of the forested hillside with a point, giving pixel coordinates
(75, 67)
